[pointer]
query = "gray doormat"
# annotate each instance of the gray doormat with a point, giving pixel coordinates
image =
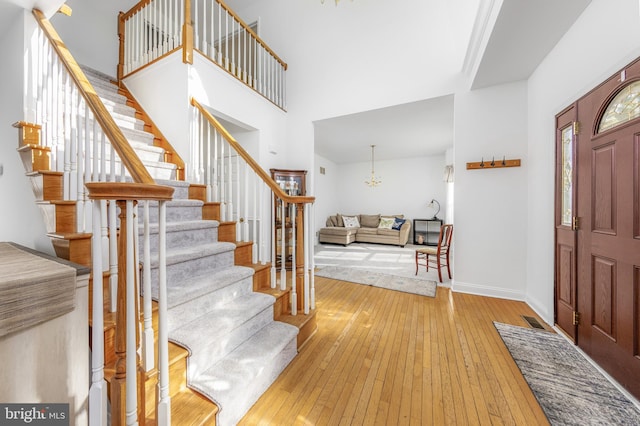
(569, 389)
(376, 279)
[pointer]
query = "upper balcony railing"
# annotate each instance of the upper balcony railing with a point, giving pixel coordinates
(153, 29)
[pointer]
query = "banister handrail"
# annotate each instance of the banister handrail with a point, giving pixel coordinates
(250, 161)
(119, 142)
(137, 7)
(253, 34)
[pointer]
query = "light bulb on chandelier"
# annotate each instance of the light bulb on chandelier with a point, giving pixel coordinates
(373, 180)
(322, 1)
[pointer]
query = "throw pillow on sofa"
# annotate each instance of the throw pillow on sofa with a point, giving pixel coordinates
(369, 220)
(386, 222)
(351, 221)
(397, 223)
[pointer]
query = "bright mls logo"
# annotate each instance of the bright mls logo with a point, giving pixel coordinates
(34, 414)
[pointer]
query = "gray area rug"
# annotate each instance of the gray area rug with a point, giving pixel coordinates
(377, 279)
(381, 258)
(569, 389)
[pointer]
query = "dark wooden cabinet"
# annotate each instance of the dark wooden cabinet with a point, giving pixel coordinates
(426, 231)
(292, 182)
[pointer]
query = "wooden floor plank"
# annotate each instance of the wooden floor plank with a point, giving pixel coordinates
(385, 357)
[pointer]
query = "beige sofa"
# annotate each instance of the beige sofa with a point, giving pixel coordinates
(367, 231)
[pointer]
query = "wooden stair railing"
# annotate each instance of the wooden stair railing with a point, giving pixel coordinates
(302, 280)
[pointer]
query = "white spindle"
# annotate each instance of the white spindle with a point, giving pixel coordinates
(307, 250)
(80, 171)
(86, 212)
(273, 239)
(68, 108)
(212, 50)
(283, 258)
(196, 25)
(131, 381)
(164, 400)
(260, 214)
(294, 294)
(312, 239)
(147, 335)
(73, 151)
(254, 248)
(214, 186)
(245, 225)
(113, 242)
(98, 389)
(223, 195)
(219, 56)
(230, 183)
(226, 40)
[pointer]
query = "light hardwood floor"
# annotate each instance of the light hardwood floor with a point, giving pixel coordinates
(382, 357)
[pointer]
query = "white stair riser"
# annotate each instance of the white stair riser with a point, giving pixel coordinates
(185, 270)
(212, 351)
(183, 238)
(176, 213)
(247, 397)
(189, 311)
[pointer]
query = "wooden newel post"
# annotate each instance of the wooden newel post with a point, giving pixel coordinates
(300, 255)
(120, 70)
(187, 35)
(119, 379)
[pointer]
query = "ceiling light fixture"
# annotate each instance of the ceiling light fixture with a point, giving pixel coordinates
(373, 180)
(322, 1)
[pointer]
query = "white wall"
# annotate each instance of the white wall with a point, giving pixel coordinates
(91, 32)
(604, 39)
(345, 59)
(326, 191)
(21, 221)
(408, 185)
(491, 205)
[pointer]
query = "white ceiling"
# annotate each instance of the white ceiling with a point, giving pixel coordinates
(524, 33)
(416, 129)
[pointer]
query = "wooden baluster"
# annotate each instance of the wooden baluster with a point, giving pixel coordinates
(127, 399)
(118, 381)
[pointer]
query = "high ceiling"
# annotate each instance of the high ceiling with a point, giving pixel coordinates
(523, 34)
(510, 38)
(414, 129)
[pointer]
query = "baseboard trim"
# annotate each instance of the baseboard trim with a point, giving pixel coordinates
(489, 291)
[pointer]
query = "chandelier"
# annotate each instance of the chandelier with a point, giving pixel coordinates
(337, 1)
(373, 180)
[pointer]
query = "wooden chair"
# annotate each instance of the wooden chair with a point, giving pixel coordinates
(437, 256)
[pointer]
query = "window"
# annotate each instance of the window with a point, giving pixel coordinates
(624, 107)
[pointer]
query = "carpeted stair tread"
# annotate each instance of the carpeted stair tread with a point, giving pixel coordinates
(198, 286)
(236, 381)
(214, 327)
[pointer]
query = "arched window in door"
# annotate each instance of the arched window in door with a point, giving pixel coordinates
(624, 107)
